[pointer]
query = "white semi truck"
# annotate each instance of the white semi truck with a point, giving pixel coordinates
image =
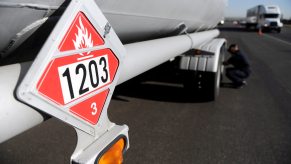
(264, 17)
(63, 59)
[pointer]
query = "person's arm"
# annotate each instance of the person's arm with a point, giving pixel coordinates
(228, 61)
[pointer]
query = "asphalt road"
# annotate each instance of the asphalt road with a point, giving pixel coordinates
(251, 125)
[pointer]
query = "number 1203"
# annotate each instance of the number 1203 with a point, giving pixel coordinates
(83, 77)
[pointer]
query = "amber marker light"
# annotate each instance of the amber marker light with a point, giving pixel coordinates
(197, 52)
(114, 155)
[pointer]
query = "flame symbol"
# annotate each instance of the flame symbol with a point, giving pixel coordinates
(83, 38)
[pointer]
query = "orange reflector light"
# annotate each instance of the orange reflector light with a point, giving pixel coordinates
(197, 52)
(114, 155)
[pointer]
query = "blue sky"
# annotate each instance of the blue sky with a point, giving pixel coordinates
(238, 8)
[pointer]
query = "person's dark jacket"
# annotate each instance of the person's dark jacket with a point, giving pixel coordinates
(240, 62)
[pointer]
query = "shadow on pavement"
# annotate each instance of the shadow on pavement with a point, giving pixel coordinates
(227, 85)
(163, 83)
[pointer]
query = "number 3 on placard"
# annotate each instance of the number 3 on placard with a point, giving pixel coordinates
(94, 107)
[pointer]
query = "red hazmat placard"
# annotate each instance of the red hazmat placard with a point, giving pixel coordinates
(81, 34)
(69, 78)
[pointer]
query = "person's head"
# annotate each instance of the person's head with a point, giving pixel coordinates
(233, 48)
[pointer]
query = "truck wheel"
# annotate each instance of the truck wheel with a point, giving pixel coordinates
(212, 88)
(247, 27)
(202, 85)
(214, 79)
(278, 30)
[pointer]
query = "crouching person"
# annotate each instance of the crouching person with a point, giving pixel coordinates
(240, 69)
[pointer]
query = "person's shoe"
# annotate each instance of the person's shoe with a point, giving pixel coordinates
(244, 82)
(240, 85)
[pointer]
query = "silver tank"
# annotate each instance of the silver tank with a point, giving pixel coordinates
(133, 20)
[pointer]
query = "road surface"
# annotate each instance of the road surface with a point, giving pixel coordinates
(251, 125)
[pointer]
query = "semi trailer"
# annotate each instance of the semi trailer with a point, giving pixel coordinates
(63, 59)
(264, 17)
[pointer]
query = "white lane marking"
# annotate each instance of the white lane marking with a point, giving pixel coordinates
(280, 40)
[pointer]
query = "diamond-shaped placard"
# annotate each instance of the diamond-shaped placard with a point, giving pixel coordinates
(76, 70)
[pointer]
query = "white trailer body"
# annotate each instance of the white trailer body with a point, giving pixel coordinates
(133, 20)
(265, 17)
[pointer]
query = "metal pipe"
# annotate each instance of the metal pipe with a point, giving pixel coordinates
(16, 117)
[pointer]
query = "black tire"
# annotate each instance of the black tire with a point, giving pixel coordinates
(247, 27)
(213, 81)
(278, 30)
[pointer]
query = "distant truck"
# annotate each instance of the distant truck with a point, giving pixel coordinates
(265, 17)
